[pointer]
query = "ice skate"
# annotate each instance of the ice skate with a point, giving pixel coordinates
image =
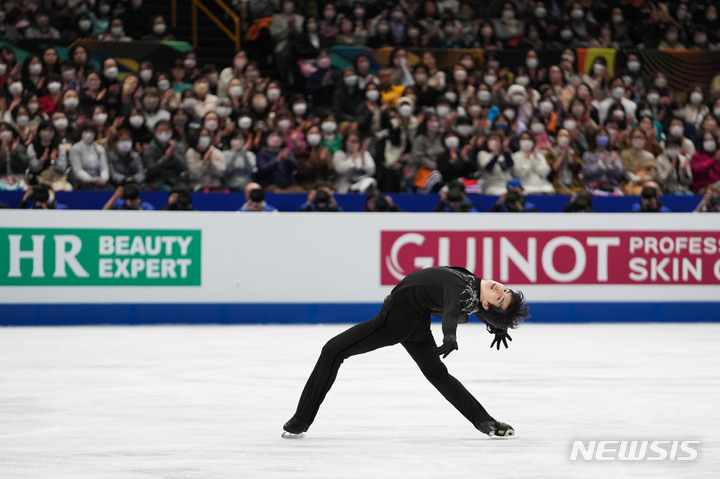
(497, 430)
(294, 429)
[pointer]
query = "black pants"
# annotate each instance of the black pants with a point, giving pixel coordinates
(391, 326)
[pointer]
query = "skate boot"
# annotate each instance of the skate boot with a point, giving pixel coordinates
(294, 429)
(497, 429)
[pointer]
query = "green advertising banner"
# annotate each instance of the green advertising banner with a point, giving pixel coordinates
(99, 257)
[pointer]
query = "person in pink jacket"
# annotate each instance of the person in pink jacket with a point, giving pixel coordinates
(705, 163)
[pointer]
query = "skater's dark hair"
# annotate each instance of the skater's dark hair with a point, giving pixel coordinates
(510, 318)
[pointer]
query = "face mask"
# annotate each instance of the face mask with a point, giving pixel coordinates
(259, 105)
(619, 115)
(518, 99)
(490, 80)
(85, 25)
(323, 63)
(211, 125)
(603, 141)
(563, 140)
(443, 110)
(451, 96)
(189, 103)
(540, 12)
(522, 81)
(46, 136)
(696, 98)
(16, 88)
(372, 95)
(676, 131)
(475, 110)
(452, 142)
(124, 146)
(465, 130)
(576, 14)
(653, 98)
(314, 139)
(111, 73)
(460, 75)
(3, 69)
(709, 146)
(509, 114)
(716, 112)
(189, 63)
(145, 75)
(71, 103)
(33, 107)
(117, 31)
(88, 136)
(638, 143)
(159, 28)
(236, 144)
(617, 19)
(151, 104)
(566, 34)
(598, 68)
(35, 69)
(67, 75)
(531, 63)
(104, 9)
(618, 92)
(284, 124)
(273, 94)
(22, 120)
(633, 66)
(449, 30)
(245, 122)
(484, 95)
(672, 152)
(136, 121)
(329, 127)
(546, 107)
(6, 136)
(661, 83)
(526, 145)
(203, 142)
(60, 124)
(508, 14)
(223, 111)
(163, 137)
(405, 110)
(54, 87)
(100, 119)
(235, 91)
(433, 126)
(537, 128)
(252, 75)
(351, 80)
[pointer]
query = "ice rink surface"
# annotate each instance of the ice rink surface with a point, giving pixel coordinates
(210, 402)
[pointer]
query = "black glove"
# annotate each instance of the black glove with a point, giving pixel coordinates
(501, 335)
(447, 348)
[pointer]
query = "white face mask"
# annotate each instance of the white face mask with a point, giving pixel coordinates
(696, 98)
(163, 137)
(145, 75)
(314, 139)
(136, 121)
(716, 112)
(598, 68)
(54, 87)
(22, 120)
(452, 142)
(618, 92)
(526, 145)
(35, 69)
(236, 144)
(299, 108)
(88, 136)
(100, 119)
(211, 125)
(709, 146)
(509, 114)
(372, 95)
(223, 111)
(531, 63)
(124, 146)
(117, 31)
(653, 98)
(203, 142)
(465, 130)
(633, 66)
(71, 103)
(284, 124)
(490, 80)
(484, 95)
(570, 125)
(16, 88)
(523, 81)
(60, 123)
(405, 110)
(451, 96)
(273, 94)
(111, 73)
(245, 122)
(546, 107)
(676, 130)
(85, 25)
(443, 110)
(235, 91)
(159, 28)
(329, 127)
(537, 128)
(563, 140)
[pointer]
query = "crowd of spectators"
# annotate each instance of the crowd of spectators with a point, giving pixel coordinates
(282, 116)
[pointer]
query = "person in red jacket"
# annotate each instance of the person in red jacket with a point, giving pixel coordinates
(705, 163)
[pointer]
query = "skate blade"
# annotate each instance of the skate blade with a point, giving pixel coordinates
(289, 435)
(509, 434)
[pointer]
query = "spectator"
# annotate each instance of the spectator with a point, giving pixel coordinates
(496, 164)
(315, 162)
(454, 200)
(580, 202)
(695, 110)
(101, 16)
(650, 200)
(151, 102)
(323, 82)
(602, 168)
(125, 162)
(116, 32)
(164, 158)
(7, 29)
(41, 29)
(135, 19)
(674, 169)
(206, 164)
(705, 163)
(276, 166)
(455, 162)
(530, 167)
(159, 31)
(402, 127)
(426, 148)
(640, 165)
(88, 161)
(389, 92)
(710, 202)
(346, 99)
(179, 199)
(332, 140)
(354, 166)
(676, 133)
(255, 199)
(127, 197)
(13, 159)
(240, 161)
(566, 163)
(508, 28)
(45, 162)
(513, 201)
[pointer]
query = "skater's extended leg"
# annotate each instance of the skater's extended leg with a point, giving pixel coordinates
(421, 349)
(359, 339)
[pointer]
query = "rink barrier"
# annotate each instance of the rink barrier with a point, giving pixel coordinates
(303, 313)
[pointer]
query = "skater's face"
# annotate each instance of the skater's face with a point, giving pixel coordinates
(497, 294)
